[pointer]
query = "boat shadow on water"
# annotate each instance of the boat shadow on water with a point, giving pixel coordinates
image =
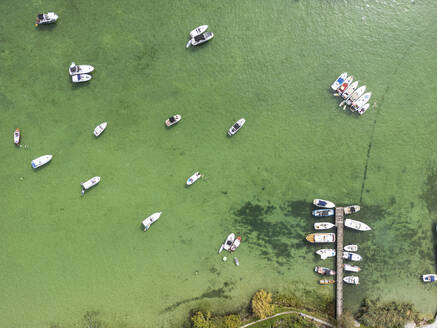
(46, 27)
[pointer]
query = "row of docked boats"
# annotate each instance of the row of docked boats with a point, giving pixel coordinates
(349, 223)
(353, 96)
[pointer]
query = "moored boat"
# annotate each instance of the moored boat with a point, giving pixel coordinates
(323, 203)
(17, 136)
(48, 18)
(235, 244)
(356, 95)
(173, 120)
(429, 277)
(357, 225)
(323, 212)
(79, 78)
(90, 183)
(324, 271)
(351, 248)
(196, 176)
(336, 84)
(350, 90)
(351, 268)
(361, 101)
(323, 225)
(237, 126)
(151, 219)
(345, 85)
(352, 256)
(321, 237)
(363, 109)
(228, 243)
(198, 30)
(237, 263)
(351, 209)
(326, 281)
(325, 253)
(100, 128)
(42, 160)
(353, 280)
(79, 69)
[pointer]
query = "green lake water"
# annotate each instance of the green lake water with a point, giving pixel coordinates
(271, 62)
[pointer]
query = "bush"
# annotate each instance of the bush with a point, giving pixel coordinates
(201, 320)
(261, 304)
(232, 321)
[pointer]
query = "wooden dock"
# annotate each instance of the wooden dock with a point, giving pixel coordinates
(339, 214)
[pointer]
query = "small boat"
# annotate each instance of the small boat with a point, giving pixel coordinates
(198, 30)
(79, 69)
(237, 126)
(323, 203)
(100, 128)
(363, 109)
(228, 243)
(235, 244)
(356, 95)
(201, 38)
(42, 160)
(151, 219)
(17, 136)
(237, 263)
(352, 268)
(357, 225)
(351, 209)
(345, 85)
(193, 178)
(351, 248)
(323, 225)
(173, 120)
(324, 212)
(321, 238)
(326, 282)
(338, 81)
(81, 78)
(324, 271)
(325, 253)
(353, 280)
(89, 184)
(48, 18)
(361, 101)
(352, 256)
(429, 277)
(350, 90)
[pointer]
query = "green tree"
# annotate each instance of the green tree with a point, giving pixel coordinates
(262, 304)
(201, 320)
(232, 321)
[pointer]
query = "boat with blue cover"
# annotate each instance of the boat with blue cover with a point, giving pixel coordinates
(339, 81)
(324, 212)
(429, 277)
(323, 203)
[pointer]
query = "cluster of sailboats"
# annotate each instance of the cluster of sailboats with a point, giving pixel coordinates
(353, 96)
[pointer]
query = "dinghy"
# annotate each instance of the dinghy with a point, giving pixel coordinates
(352, 256)
(351, 248)
(345, 85)
(339, 81)
(198, 30)
(42, 160)
(363, 109)
(48, 18)
(361, 101)
(351, 268)
(173, 120)
(326, 282)
(79, 69)
(323, 225)
(324, 271)
(235, 244)
(351, 209)
(228, 243)
(357, 225)
(237, 263)
(196, 176)
(353, 280)
(100, 128)
(151, 219)
(89, 184)
(325, 253)
(79, 78)
(323, 203)
(325, 212)
(237, 126)
(429, 277)
(350, 90)
(321, 238)
(356, 95)
(17, 136)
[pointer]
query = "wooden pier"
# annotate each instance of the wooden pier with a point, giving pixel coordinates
(339, 213)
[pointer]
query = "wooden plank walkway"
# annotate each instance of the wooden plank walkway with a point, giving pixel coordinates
(339, 214)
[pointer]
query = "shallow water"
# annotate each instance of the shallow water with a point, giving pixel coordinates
(271, 63)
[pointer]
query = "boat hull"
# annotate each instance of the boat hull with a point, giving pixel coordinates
(151, 219)
(323, 203)
(198, 30)
(79, 78)
(40, 161)
(236, 126)
(17, 136)
(323, 225)
(352, 256)
(228, 242)
(356, 225)
(325, 253)
(100, 128)
(352, 280)
(323, 212)
(90, 183)
(196, 176)
(336, 84)
(321, 238)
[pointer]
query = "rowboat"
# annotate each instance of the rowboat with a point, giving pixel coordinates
(151, 219)
(429, 277)
(324, 271)
(351, 209)
(323, 203)
(357, 225)
(353, 280)
(326, 282)
(352, 268)
(352, 256)
(17, 136)
(339, 81)
(323, 225)
(321, 238)
(324, 212)
(350, 248)
(325, 253)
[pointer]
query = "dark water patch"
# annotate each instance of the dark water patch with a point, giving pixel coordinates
(298, 208)
(224, 192)
(429, 194)
(369, 149)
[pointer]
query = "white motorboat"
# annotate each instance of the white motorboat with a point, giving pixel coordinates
(173, 120)
(151, 219)
(324, 271)
(357, 225)
(79, 69)
(350, 90)
(196, 176)
(351, 268)
(345, 85)
(351, 248)
(198, 30)
(363, 109)
(429, 277)
(235, 244)
(48, 18)
(353, 280)
(17, 136)
(100, 128)
(361, 101)
(352, 256)
(325, 253)
(201, 38)
(339, 81)
(79, 78)
(351, 209)
(228, 243)
(323, 212)
(237, 126)
(42, 160)
(356, 95)
(237, 263)
(323, 203)
(321, 237)
(323, 225)
(89, 184)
